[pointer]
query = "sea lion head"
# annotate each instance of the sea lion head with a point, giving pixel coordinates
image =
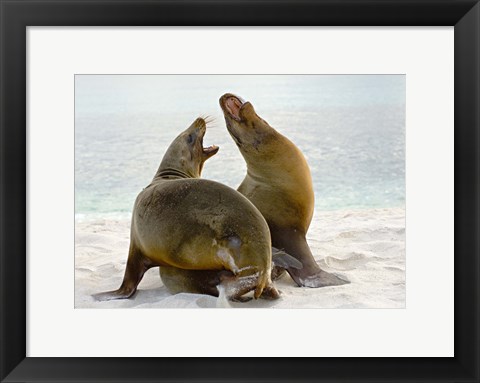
(186, 153)
(250, 132)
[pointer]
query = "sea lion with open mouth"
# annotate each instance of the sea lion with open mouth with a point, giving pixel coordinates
(196, 227)
(279, 184)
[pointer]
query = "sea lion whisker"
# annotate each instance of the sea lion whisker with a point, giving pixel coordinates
(206, 117)
(208, 120)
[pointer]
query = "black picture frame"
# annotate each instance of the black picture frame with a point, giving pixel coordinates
(16, 15)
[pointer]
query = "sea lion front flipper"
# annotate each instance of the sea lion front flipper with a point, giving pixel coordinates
(319, 279)
(310, 275)
(114, 294)
(137, 265)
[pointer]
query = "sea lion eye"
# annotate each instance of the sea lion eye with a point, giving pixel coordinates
(190, 138)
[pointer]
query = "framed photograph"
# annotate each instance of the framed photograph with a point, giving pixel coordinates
(351, 179)
(374, 216)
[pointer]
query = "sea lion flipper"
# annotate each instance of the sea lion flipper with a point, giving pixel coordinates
(137, 265)
(111, 295)
(282, 259)
(234, 287)
(310, 275)
(231, 290)
(241, 299)
(319, 279)
(270, 292)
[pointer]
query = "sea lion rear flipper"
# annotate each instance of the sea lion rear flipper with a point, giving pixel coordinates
(270, 292)
(280, 258)
(241, 299)
(234, 287)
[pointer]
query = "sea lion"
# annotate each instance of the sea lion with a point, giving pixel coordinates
(279, 184)
(180, 221)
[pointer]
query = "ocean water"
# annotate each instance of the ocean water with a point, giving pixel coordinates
(351, 128)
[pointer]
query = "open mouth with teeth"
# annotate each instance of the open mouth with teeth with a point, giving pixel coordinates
(210, 150)
(232, 105)
(201, 129)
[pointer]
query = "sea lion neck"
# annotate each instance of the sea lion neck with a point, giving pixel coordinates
(171, 174)
(265, 160)
(177, 164)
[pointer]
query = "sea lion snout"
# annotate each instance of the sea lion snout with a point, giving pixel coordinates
(247, 112)
(235, 107)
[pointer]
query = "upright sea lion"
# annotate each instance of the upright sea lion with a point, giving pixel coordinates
(279, 184)
(181, 222)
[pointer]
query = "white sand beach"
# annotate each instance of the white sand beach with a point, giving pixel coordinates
(365, 246)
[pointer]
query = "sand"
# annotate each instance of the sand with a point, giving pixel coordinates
(367, 247)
